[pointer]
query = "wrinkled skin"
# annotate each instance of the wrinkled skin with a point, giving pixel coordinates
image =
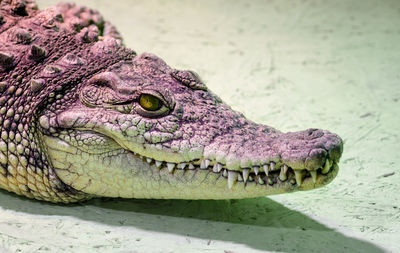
(95, 136)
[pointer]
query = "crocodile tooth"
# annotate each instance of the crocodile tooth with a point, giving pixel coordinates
(256, 169)
(240, 178)
(251, 179)
(158, 163)
(260, 180)
(204, 164)
(327, 167)
(215, 169)
(141, 157)
(225, 173)
(299, 177)
(266, 169)
(182, 166)
(191, 166)
(272, 166)
(219, 167)
(246, 173)
(171, 167)
(232, 178)
(283, 174)
(149, 160)
(314, 175)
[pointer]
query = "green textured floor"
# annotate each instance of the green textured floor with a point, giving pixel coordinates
(290, 64)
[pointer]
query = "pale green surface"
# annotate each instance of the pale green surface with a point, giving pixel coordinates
(290, 64)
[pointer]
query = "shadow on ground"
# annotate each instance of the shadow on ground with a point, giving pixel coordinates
(260, 223)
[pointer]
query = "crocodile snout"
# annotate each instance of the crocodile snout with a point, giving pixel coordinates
(309, 149)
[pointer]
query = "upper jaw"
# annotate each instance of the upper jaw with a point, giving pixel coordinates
(309, 149)
(306, 159)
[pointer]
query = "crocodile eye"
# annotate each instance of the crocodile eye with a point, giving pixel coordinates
(152, 104)
(149, 102)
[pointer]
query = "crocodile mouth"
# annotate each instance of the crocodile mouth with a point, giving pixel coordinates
(98, 165)
(267, 175)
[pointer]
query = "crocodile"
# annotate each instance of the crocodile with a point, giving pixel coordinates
(83, 116)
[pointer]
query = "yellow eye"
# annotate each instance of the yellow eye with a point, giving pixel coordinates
(149, 102)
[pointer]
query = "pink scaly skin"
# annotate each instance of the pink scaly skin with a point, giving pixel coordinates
(82, 116)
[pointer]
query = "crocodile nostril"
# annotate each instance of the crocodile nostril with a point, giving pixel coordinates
(314, 133)
(311, 131)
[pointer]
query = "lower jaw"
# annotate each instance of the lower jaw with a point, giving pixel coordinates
(126, 175)
(132, 176)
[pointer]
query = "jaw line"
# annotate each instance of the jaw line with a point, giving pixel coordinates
(307, 183)
(193, 176)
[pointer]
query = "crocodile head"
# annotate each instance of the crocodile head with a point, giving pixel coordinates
(140, 129)
(82, 116)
